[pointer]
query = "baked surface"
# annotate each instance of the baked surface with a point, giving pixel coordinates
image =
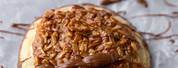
(85, 36)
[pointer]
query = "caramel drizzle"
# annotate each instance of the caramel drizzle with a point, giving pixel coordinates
(25, 59)
(1, 21)
(108, 2)
(160, 35)
(155, 15)
(13, 33)
(21, 26)
(143, 3)
(169, 4)
(1, 37)
(98, 60)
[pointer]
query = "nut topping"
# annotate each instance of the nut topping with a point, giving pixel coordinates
(92, 36)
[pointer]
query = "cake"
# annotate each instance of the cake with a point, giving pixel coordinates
(83, 36)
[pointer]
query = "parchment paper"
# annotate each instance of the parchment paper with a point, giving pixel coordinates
(163, 52)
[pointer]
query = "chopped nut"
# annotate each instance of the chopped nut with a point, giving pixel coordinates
(54, 37)
(64, 36)
(120, 51)
(52, 55)
(49, 13)
(69, 34)
(134, 46)
(37, 61)
(53, 62)
(75, 47)
(99, 59)
(83, 47)
(77, 7)
(116, 27)
(45, 61)
(61, 55)
(46, 48)
(123, 41)
(91, 51)
(108, 45)
(67, 55)
(99, 48)
(90, 15)
(95, 33)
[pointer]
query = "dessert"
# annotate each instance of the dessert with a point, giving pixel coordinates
(83, 36)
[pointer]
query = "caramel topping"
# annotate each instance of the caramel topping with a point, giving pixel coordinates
(82, 37)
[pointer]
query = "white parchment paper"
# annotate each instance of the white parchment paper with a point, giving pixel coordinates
(163, 52)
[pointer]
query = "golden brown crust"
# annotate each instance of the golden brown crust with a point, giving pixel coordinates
(20, 61)
(99, 39)
(19, 64)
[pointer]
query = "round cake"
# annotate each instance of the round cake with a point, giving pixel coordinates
(83, 36)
